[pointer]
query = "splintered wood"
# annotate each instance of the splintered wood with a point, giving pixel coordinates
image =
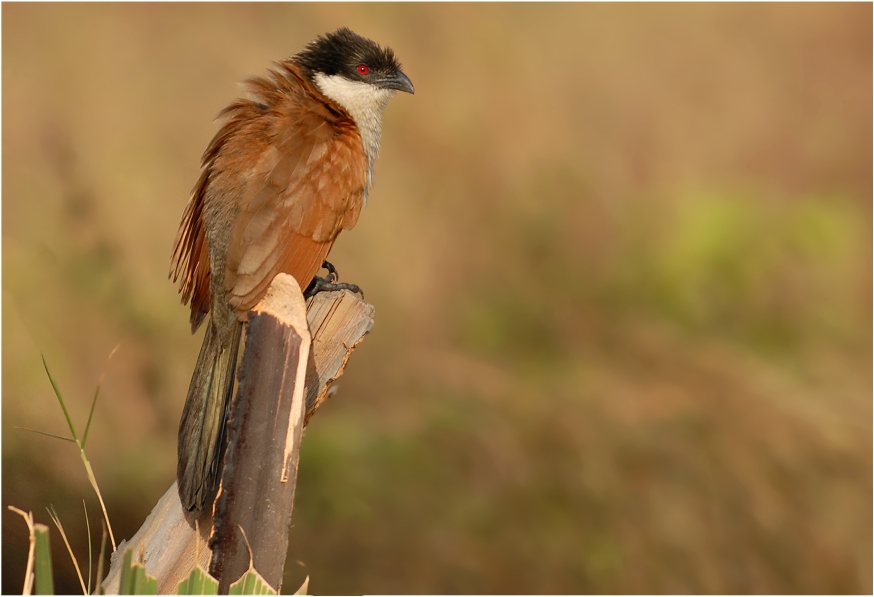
(337, 322)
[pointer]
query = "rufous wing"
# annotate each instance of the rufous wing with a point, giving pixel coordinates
(292, 172)
(308, 184)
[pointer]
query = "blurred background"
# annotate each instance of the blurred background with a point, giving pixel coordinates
(621, 262)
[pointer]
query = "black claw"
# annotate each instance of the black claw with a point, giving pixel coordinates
(332, 276)
(330, 282)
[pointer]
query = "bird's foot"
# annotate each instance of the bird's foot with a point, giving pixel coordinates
(330, 282)
(332, 276)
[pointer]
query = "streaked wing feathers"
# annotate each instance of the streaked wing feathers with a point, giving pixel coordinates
(295, 170)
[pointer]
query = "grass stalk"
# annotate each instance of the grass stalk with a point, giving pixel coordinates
(54, 516)
(90, 561)
(80, 443)
(44, 582)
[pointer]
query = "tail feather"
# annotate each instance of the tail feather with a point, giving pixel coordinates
(202, 429)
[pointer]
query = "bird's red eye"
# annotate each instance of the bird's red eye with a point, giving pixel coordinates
(362, 69)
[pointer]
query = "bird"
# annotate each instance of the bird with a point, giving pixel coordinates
(290, 167)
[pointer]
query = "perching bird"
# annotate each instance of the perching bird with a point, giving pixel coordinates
(289, 169)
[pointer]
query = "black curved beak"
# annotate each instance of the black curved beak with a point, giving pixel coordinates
(398, 81)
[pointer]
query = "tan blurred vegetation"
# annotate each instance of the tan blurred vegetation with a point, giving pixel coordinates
(621, 262)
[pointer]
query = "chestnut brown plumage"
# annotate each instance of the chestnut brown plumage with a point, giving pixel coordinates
(288, 170)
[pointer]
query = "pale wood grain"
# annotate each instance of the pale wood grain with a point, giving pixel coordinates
(170, 546)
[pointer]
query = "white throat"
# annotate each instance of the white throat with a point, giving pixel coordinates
(365, 103)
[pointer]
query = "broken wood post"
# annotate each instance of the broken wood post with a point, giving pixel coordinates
(252, 512)
(168, 542)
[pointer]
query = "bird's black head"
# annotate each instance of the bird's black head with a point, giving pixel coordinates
(356, 58)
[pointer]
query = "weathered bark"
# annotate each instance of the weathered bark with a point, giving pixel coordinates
(252, 512)
(337, 322)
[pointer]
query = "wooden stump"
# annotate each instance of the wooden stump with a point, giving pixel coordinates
(284, 343)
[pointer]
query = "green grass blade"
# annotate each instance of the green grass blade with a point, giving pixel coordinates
(251, 583)
(96, 392)
(134, 579)
(88, 470)
(199, 582)
(90, 415)
(126, 582)
(144, 584)
(149, 586)
(99, 578)
(60, 399)
(66, 439)
(43, 581)
(90, 560)
(54, 516)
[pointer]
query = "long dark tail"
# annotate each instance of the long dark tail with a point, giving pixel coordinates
(202, 429)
